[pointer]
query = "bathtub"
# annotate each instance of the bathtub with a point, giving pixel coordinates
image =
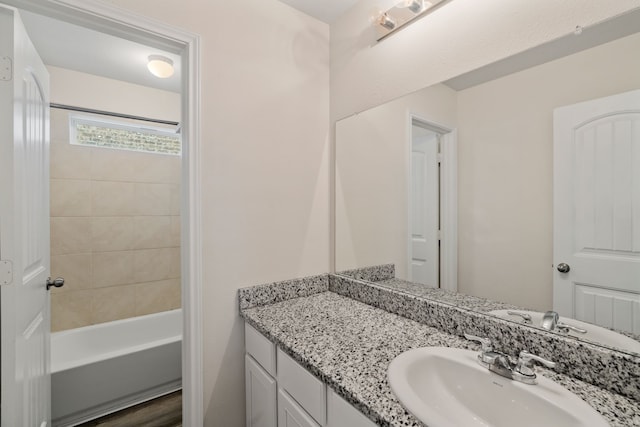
(100, 369)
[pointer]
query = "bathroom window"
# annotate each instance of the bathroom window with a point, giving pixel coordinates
(123, 135)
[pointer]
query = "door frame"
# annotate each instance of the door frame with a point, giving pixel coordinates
(448, 196)
(119, 22)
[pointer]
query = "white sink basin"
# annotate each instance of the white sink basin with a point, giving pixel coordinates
(446, 387)
(596, 334)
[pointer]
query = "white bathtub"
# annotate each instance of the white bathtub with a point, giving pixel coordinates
(100, 369)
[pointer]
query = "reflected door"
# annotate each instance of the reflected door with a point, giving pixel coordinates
(597, 211)
(425, 208)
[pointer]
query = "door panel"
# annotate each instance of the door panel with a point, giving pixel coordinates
(597, 210)
(24, 229)
(425, 210)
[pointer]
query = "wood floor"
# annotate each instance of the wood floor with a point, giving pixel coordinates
(166, 411)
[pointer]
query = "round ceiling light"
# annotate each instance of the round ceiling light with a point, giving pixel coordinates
(160, 66)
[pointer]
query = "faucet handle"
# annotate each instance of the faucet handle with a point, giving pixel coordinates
(525, 363)
(564, 327)
(486, 344)
(526, 318)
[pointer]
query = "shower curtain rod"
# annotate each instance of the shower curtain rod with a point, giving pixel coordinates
(110, 113)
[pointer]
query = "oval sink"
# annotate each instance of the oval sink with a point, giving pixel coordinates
(446, 387)
(596, 334)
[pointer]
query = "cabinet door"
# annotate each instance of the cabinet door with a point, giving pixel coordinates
(261, 395)
(342, 414)
(290, 414)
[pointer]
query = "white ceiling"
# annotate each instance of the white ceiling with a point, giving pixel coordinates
(324, 10)
(77, 48)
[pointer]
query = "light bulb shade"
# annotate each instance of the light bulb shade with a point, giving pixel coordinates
(414, 6)
(160, 66)
(386, 21)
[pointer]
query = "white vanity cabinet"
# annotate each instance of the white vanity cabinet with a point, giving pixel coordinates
(260, 395)
(280, 392)
(290, 414)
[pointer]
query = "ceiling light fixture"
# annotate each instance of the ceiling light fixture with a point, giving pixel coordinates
(160, 66)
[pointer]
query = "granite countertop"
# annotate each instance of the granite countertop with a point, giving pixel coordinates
(349, 345)
(469, 302)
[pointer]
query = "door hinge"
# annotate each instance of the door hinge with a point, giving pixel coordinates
(6, 272)
(6, 68)
(439, 234)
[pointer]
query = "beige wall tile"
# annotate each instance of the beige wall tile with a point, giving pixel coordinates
(113, 198)
(70, 197)
(154, 168)
(154, 297)
(174, 199)
(113, 303)
(59, 129)
(70, 235)
(74, 268)
(70, 310)
(176, 170)
(151, 264)
(176, 297)
(152, 232)
(174, 263)
(112, 233)
(95, 194)
(113, 268)
(174, 237)
(152, 199)
(70, 161)
(112, 165)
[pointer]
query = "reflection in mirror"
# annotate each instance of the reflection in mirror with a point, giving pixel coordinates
(505, 188)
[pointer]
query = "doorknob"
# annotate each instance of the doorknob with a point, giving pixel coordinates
(563, 268)
(58, 282)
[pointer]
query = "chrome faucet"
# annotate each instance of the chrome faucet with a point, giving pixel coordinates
(521, 370)
(551, 322)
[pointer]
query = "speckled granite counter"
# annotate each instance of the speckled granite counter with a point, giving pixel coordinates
(349, 345)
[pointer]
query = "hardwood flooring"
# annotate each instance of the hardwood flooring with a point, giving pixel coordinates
(165, 411)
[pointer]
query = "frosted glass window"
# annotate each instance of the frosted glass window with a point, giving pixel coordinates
(124, 136)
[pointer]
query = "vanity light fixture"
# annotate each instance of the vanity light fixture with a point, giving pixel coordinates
(403, 13)
(414, 6)
(160, 66)
(385, 21)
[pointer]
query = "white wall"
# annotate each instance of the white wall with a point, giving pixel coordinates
(506, 168)
(372, 187)
(89, 91)
(458, 37)
(265, 124)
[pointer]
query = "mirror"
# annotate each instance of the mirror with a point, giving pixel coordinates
(501, 119)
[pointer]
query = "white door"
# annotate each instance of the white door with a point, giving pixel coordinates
(425, 208)
(597, 211)
(24, 228)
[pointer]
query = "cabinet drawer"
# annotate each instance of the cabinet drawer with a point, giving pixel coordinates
(290, 414)
(303, 387)
(260, 348)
